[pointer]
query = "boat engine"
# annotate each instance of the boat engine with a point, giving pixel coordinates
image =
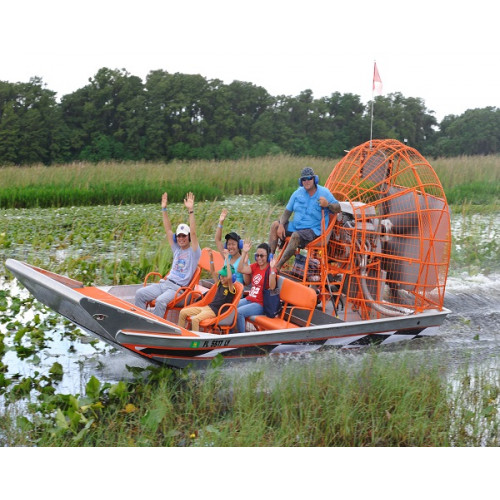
(390, 246)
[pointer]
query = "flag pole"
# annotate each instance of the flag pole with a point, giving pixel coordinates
(371, 123)
(377, 82)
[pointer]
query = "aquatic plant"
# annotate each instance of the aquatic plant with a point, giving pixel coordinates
(120, 244)
(369, 400)
(472, 179)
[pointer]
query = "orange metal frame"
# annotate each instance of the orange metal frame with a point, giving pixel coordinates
(389, 250)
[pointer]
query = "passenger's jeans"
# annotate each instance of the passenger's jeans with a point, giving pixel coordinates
(246, 309)
(162, 292)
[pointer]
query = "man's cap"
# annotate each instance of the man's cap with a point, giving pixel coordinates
(233, 236)
(223, 271)
(182, 229)
(307, 171)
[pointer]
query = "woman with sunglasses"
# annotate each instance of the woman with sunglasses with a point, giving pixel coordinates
(309, 203)
(253, 304)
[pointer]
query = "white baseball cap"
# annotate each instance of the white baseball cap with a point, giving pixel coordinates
(182, 229)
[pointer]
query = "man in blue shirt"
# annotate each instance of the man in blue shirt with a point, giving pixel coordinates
(308, 204)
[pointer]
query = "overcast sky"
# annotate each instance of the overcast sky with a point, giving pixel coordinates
(447, 53)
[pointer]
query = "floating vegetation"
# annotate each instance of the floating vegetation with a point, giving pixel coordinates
(476, 242)
(50, 388)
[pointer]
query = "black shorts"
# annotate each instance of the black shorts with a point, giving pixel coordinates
(306, 235)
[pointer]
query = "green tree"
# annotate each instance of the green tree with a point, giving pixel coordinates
(475, 132)
(9, 134)
(111, 106)
(174, 120)
(29, 121)
(405, 119)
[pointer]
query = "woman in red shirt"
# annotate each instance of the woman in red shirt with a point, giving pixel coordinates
(253, 304)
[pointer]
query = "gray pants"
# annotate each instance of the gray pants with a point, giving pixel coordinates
(162, 292)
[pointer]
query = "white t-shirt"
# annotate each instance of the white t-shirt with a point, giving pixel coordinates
(184, 264)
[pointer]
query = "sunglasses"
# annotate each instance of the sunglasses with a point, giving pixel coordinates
(308, 178)
(261, 255)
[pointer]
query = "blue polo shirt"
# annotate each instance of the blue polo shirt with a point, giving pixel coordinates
(306, 209)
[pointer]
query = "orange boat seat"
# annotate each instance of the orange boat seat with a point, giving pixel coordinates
(226, 319)
(295, 296)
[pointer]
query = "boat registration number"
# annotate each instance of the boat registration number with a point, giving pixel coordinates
(210, 343)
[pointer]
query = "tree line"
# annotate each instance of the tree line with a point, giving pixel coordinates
(117, 116)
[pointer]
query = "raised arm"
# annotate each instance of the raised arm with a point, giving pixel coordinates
(189, 204)
(273, 279)
(229, 272)
(166, 220)
(218, 232)
(213, 272)
(243, 266)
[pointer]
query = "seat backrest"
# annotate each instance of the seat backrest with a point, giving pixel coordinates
(204, 300)
(178, 301)
(239, 291)
(297, 294)
(204, 261)
(237, 296)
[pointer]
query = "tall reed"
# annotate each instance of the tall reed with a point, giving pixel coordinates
(115, 183)
(476, 179)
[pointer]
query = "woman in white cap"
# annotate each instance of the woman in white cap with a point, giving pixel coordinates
(187, 252)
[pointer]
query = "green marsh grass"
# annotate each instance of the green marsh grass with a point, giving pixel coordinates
(476, 239)
(121, 244)
(369, 400)
(465, 179)
(375, 401)
(115, 183)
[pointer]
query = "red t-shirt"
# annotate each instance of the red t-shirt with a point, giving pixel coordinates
(257, 283)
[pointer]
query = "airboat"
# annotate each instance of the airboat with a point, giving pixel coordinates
(376, 275)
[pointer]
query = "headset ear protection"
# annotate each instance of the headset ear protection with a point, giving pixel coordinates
(316, 180)
(240, 244)
(267, 248)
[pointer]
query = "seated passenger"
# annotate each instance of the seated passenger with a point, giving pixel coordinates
(186, 252)
(224, 295)
(234, 244)
(253, 304)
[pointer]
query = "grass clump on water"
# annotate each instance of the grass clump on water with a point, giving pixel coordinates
(341, 400)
